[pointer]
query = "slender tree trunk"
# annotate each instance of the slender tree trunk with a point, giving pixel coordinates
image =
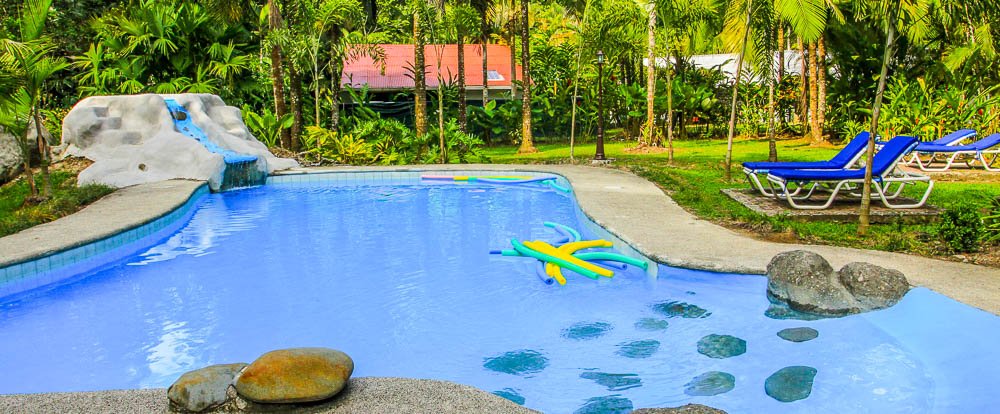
(440, 95)
(670, 112)
(419, 77)
(651, 73)
(513, 63)
(295, 93)
(277, 73)
(736, 88)
(821, 85)
(576, 90)
(26, 156)
(781, 65)
(461, 84)
(866, 189)
(527, 146)
(335, 86)
(43, 153)
(803, 88)
(486, 81)
(772, 144)
(817, 133)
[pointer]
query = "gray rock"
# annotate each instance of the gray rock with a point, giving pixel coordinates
(295, 375)
(132, 140)
(204, 388)
(721, 346)
(685, 409)
(710, 383)
(798, 334)
(874, 286)
(807, 282)
(790, 383)
(11, 163)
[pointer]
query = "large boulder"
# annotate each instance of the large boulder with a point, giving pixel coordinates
(295, 375)
(806, 282)
(132, 140)
(204, 388)
(11, 162)
(875, 287)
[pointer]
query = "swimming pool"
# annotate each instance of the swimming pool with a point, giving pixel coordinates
(398, 275)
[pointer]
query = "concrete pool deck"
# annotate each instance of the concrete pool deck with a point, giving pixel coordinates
(632, 208)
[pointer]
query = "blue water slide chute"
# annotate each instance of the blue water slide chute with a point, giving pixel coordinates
(185, 125)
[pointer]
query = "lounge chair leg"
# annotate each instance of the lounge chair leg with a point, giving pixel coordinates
(918, 204)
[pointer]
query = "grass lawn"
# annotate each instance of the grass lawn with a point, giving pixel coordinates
(67, 198)
(695, 179)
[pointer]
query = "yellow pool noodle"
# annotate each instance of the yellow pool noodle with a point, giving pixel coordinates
(492, 177)
(545, 248)
(555, 272)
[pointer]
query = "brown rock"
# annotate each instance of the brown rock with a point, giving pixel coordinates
(204, 388)
(686, 409)
(295, 375)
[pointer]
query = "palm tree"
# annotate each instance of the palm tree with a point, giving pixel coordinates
(419, 68)
(483, 8)
(756, 21)
(527, 146)
(30, 65)
(274, 24)
(650, 72)
(465, 21)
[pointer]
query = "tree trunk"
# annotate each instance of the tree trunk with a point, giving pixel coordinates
(443, 150)
(803, 88)
(781, 65)
(461, 84)
(866, 189)
(486, 81)
(295, 93)
(513, 63)
(821, 84)
(336, 73)
(670, 112)
(43, 153)
(651, 73)
(736, 88)
(817, 133)
(527, 146)
(277, 73)
(419, 77)
(772, 144)
(26, 156)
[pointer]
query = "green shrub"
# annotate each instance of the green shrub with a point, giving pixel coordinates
(961, 228)
(991, 223)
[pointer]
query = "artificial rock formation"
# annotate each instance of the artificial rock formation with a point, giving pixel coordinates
(132, 140)
(10, 157)
(807, 283)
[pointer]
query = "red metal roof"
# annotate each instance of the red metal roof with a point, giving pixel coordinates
(399, 63)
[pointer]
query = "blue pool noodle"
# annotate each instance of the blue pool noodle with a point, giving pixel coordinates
(540, 271)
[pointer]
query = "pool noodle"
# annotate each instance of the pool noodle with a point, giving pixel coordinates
(551, 251)
(570, 248)
(572, 231)
(526, 251)
(614, 257)
(540, 271)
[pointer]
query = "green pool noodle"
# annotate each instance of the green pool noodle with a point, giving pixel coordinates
(576, 234)
(508, 252)
(613, 257)
(525, 251)
(558, 187)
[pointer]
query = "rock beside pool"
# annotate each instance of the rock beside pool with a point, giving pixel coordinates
(807, 283)
(685, 409)
(710, 383)
(295, 375)
(790, 383)
(798, 334)
(874, 286)
(721, 346)
(204, 388)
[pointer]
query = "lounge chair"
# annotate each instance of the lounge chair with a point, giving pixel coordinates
(884, 175)
(953, 138)
(986, 151)
(847, 157)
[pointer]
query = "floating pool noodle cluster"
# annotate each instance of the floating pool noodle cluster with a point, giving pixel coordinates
(552, 258)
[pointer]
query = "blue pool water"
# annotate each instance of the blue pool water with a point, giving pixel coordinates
(400, 279)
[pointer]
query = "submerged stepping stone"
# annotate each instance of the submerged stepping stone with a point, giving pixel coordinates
(612, 404)
(614, 382)
(295, 375)
(520, 362)
(676, 309)
(710, 383)
(510, 394)
(204, 388)
(798, 334)
(586, 330)
(790, 383)
(651, 324)
(721, 346)
(638, 349)
(781, 311)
